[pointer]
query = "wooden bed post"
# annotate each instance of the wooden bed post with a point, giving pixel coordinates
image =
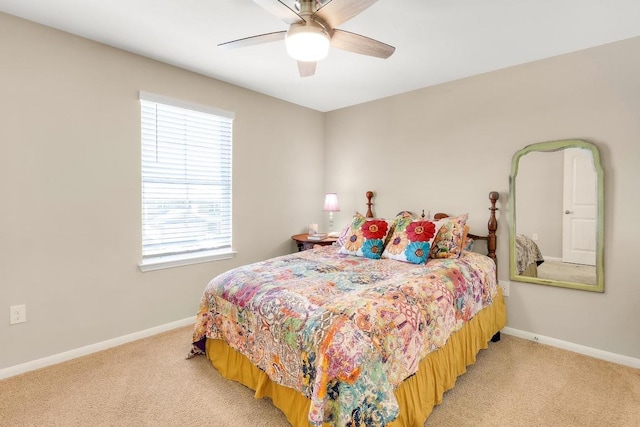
(369, 195)
(493, 226)
(491, 241)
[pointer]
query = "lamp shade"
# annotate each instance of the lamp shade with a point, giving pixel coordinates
(307, 43)
(331, 202)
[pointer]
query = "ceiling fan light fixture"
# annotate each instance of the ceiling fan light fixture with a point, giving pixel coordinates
(307, 43)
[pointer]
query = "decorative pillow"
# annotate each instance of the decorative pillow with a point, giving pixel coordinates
(342, 238)
(366, 237)
(405, 214)
(466, 239)
(411, 239)
(468, 244)
(400, 216)
(450, 239)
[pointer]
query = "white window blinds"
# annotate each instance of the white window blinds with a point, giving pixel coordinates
(186, 178)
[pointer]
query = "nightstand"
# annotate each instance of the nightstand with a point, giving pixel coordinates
(304, 243)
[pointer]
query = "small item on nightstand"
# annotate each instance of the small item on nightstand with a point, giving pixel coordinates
(317, 236)
(313, 229)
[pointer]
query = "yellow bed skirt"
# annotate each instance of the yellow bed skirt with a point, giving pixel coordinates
(416, 395)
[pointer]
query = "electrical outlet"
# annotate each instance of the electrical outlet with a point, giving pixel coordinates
(505, 287)
(17, 314)
(534, 236)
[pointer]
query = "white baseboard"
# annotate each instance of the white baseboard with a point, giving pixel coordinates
(83, 351)
(577, 348)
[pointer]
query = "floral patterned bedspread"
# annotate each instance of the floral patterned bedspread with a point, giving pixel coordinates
(527, 252)
(343, 330)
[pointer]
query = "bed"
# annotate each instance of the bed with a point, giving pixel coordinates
(528, 256)
(336, 338)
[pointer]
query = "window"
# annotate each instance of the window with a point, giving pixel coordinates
(186, 183)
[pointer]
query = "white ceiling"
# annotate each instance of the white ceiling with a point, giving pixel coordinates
(436, 40)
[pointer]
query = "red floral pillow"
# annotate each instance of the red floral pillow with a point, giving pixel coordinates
(366, 237)
(411, 240)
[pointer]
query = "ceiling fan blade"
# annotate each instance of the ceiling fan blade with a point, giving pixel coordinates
(306, 69)
(335, 12)
(280, 10)
(360, 44)
(250, 41)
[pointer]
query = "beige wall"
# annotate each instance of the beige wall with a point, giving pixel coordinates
(69, 180)
(444, 148)
(70, 189)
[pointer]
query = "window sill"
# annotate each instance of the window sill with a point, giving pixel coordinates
(159, 263)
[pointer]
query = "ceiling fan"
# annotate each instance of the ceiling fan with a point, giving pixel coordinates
(312, 30)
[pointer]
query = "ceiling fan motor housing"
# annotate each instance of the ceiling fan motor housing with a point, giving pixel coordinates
(317, 3)
(307, 42)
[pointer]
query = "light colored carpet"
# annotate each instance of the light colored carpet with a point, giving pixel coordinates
(150, 383)
(576, 273)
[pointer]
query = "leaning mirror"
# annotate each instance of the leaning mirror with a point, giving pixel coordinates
(556, 208)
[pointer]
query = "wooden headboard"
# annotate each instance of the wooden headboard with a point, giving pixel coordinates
(492, 225)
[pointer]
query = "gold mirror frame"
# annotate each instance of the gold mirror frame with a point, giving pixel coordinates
(552, 146)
